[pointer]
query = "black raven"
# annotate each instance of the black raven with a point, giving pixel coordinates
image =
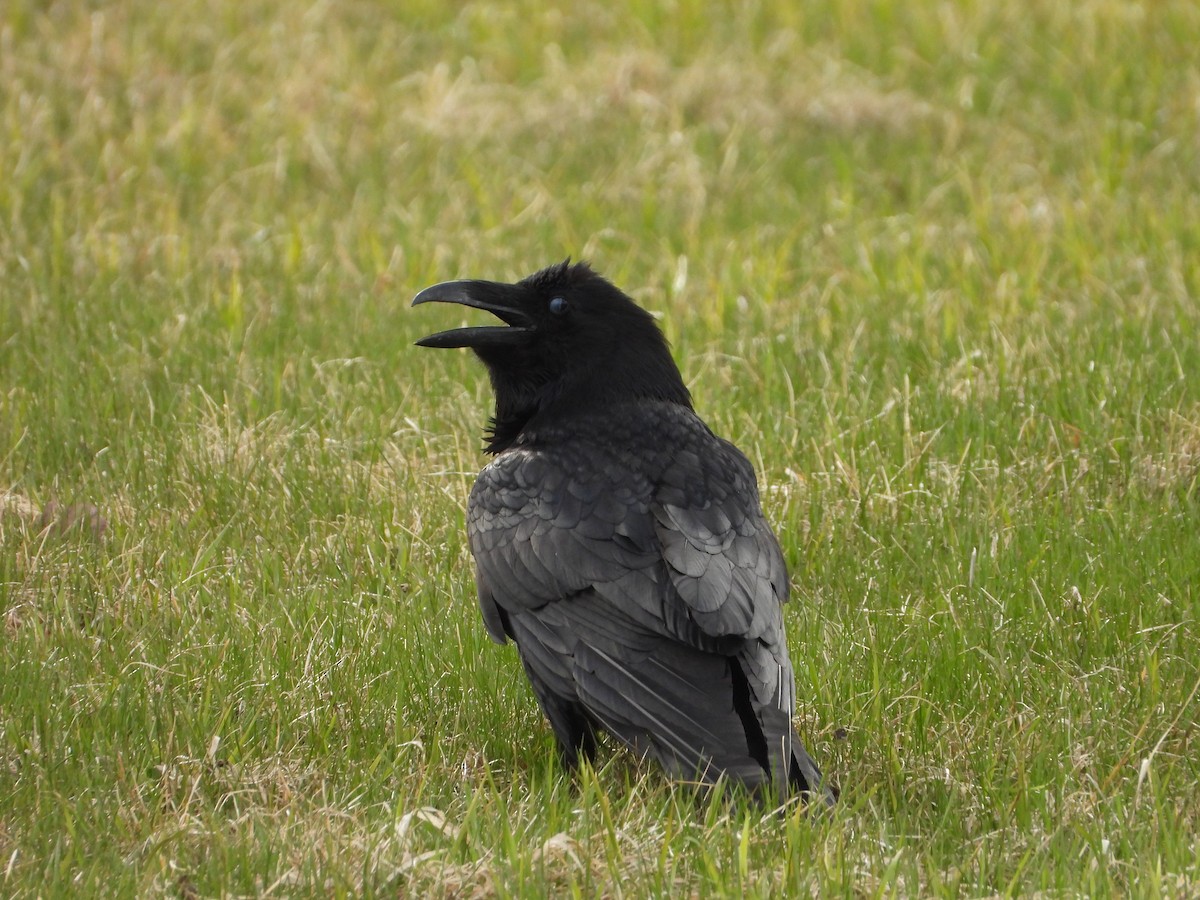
(621, 544)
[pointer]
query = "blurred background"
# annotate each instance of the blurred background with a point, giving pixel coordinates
(933, 265)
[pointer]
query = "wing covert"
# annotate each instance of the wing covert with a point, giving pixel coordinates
(677, 542)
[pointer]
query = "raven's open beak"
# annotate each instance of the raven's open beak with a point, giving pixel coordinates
(497, 298)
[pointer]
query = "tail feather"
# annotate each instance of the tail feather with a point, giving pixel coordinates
(805, 778)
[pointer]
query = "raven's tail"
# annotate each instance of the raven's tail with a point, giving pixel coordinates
(804, 776)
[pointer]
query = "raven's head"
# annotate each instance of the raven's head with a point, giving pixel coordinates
(571, 342)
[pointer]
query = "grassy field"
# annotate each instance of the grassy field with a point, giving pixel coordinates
(934, 266)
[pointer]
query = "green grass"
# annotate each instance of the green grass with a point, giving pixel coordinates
(934, 266)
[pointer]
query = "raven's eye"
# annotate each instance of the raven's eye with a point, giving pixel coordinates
(558, 305)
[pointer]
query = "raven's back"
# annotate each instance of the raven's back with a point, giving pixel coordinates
(626, 554)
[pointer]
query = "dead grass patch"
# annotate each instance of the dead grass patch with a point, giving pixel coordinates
(1176, 466)
(643, 86)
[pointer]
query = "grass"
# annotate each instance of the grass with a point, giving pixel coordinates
(933, 266)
